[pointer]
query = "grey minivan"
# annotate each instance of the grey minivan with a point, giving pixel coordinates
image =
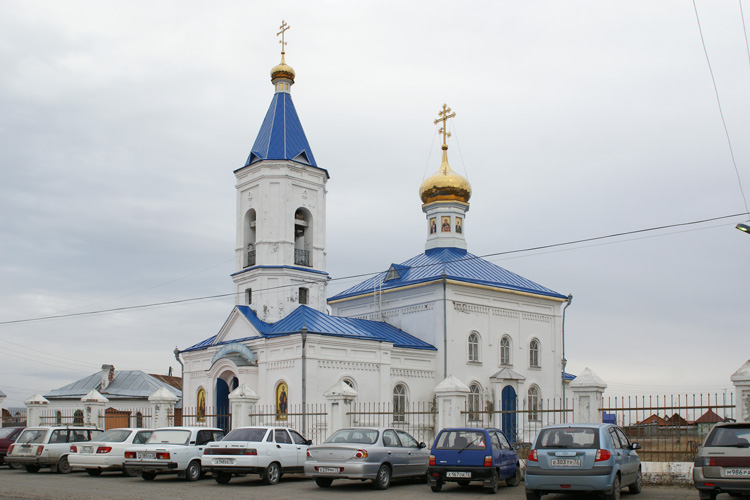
(582, 457)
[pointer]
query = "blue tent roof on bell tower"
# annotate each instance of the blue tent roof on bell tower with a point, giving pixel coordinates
(281, 137)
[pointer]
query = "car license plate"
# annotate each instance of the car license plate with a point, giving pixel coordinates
(736, 472)
(147, 455)
(565, 462)
(458, 474)
(329, 469)
(223, 461)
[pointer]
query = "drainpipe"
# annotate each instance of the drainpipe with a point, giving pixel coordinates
(564, 360)
(445, 326)
(303, 332)
(177, 357)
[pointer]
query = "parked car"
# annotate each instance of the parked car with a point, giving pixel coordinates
(471, 454)
(38, 447)
(172, 450)
(582, 457)
(8, 436)
(723, 463)
(376, 453)
(107, 453)
(268, 451)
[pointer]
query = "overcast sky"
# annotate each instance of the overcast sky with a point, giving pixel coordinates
(121, 124)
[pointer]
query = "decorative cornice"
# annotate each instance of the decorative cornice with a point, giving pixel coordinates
(348, 365)
(409, 373)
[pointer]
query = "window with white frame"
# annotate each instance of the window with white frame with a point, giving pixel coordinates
(535, 403)
(400, 402)
(505, 350)
(474, 347)
(534, 354)
(475, 401)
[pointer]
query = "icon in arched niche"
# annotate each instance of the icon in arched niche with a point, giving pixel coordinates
(282, 401)
(445, 225)
(459, 229)
(201, 413)
(433, 225)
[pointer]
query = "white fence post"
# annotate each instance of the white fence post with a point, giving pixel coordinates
(35, 406)
(162, 405)
(451, 398)
(93, 404)
(242, 400)
(741, 381)
(587, 389)
(340, 397)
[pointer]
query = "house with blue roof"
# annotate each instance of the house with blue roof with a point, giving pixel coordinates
(394, 337)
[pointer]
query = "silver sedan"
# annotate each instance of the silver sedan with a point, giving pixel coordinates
(377, 453)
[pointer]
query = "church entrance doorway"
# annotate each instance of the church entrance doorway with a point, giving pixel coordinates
(222, 400)
(509, 401)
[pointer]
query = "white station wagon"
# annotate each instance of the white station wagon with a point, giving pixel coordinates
(268, 451)
(39, 447)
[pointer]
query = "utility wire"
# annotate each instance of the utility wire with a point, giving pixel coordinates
(324, 280)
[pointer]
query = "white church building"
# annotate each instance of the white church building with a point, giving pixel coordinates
(443, 315)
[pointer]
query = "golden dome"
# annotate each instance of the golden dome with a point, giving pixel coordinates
(445, 184)
(282, 70)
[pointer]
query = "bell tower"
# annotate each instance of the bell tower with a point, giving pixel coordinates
(281, 212)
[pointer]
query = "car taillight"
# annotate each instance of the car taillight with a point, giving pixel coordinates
(432, 459)
(10, 449)
(39, 450)
(250, 451)
(130, 454)
(73, 448)
(602, 455)
(361, 454)
(162, 455)
(308, 453)
(488, 460)
(532, 456)
(104, 449)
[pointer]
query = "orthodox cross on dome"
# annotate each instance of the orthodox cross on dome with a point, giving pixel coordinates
(284, 26)
(444, 115)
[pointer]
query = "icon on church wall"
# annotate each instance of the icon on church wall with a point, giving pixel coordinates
(433, 225)
(445, 225)
(201, 413)
(459, 229)
(282, 401)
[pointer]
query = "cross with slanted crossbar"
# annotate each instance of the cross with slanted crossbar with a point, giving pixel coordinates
(444, 115)
(284, 26)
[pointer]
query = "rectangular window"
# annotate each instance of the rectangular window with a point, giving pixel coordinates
(303, 295)
(249, 296)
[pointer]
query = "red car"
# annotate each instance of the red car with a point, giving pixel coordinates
(8, 436)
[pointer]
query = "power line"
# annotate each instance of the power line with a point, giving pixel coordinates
(496, 254)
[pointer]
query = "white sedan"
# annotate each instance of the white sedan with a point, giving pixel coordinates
(107, 453)
(268, 451)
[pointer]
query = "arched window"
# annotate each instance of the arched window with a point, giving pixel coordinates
(534, 354)
(505, 350)
(535, 403)
(400, 402)
(250, 232)
(474, 347)
(303, 239)
(78, 417)
(475, 401)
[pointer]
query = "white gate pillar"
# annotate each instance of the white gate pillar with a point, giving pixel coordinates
(340, 398)
(93, 404)
(741, 381)
(35, 406)
(587, 389)
(451, 396)
(2, 398)
(162, 407)
(242, 401)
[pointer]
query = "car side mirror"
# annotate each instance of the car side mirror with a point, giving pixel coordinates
(308, 442)
(635, 446)
(422, 445)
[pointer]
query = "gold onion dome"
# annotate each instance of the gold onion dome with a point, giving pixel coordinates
(282, 70)
(445, 184)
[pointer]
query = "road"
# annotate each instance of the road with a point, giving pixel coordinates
(19, 484)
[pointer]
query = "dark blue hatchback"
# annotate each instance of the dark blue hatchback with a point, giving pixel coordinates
(470, 454)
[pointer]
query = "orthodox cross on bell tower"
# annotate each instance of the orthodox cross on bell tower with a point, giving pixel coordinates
(284, 27)
(444, 115)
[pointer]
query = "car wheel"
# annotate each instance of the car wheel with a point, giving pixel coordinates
(223, 477)
(15, 465)
(32, 468)
(615, 493)
(323, 482)
(128, 472)
(637, 486)
(383, 478)
(437, 486)
(93, 472)
(492, 488)
(63, 467)
(148, 476)
(532, 495)
(272, 474)
(515, 480)
(193, 471)
(463, 483)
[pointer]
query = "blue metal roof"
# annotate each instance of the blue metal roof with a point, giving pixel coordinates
(320, 323)
(458, 265)
(281, 136)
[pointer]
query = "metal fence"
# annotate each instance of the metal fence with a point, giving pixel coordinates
(417, 418)
(670, 428)
(113, 418)
(311, 420)
(203, 417)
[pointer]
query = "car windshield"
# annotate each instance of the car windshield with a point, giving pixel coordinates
(461, 440)
(7, 431)
(32, 436)
(730, 436)
(358, 436)
(170, 436)
(114, 435)
(568, 437)
(255, 434)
